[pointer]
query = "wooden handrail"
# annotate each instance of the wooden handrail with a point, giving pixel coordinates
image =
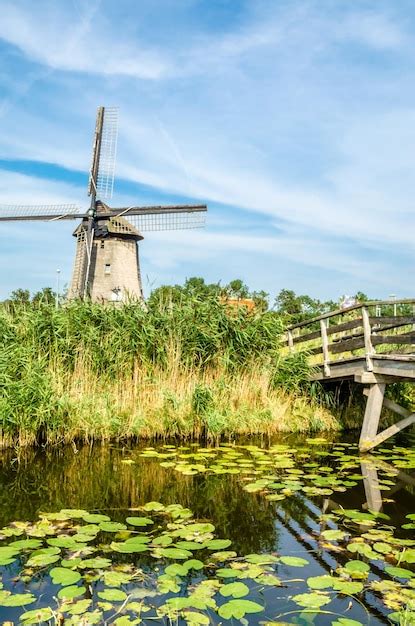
(362, 332)
(355, 307)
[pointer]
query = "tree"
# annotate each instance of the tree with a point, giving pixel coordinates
(20, 296)
(45, 296)
(299, 308)
(237, 289)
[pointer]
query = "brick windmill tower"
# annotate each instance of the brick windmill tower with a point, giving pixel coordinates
(106, 266)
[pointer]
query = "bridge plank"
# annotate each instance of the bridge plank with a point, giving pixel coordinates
(331, 330)
(392, 321)
(404, 338)
(346, 345)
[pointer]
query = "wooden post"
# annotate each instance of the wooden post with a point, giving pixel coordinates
(290, 340)
(372, 487)
(325, 345)
(367, 332)
(372, 416)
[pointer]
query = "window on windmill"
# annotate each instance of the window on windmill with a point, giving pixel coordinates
(102, 243)
(107, 268)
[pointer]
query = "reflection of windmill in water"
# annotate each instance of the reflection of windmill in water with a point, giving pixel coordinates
(106, 266)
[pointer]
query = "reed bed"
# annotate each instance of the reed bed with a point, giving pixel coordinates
(194, 370)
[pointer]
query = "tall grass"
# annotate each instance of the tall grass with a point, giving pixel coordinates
(86, 371)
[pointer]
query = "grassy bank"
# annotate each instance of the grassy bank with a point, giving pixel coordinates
(189, 370)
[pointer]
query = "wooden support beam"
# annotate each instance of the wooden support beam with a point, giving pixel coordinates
(372, 416)
(370, 378)
(371, 485)
(388, 432)
(374, 440)
(396, 408)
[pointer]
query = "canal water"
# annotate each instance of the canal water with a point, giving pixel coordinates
(314, 533)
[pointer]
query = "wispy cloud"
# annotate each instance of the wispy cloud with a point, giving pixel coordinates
(296, 117)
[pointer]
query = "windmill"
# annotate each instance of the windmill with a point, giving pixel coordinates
(106, 266)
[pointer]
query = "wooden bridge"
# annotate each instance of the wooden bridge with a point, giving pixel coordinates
(372, 343)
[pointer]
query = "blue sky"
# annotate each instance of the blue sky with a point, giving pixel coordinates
(293, 119)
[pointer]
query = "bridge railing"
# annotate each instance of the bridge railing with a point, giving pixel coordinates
(364, 330)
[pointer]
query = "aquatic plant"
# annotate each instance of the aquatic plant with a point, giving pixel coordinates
(91, 372)
(159, 562)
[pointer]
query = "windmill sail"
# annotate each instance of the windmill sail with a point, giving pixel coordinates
(169, 221)
(41, 212)
(157, 218)
(101, 179)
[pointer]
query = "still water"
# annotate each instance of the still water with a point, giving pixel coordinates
(314, 506)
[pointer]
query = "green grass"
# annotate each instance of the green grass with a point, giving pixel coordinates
(87, 371)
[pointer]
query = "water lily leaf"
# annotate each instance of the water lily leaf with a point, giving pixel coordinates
(95, 563)
(79, 607)
(37, 616)
(311, 600)
(162, 540)
(25, 544)
(74, 513)
(64, 576)
(348, 587)
(321, 582)
(226, 555)
(234, 590)
(261, 559)
(333, 535)
(175, 553)
(95, 518)
(239, 608)
(128, 548)
(383, 548)
(190, 545)
(193, 564)
(218, 544)
(112, 527)
(18, 599)
(176, 569)
(227, 572)
(116, 579)
(63, 542)
(7, 552)
(362, 548)
(293, 561)
(41, 560)
(346, 621)
(399, 572)
(71, 592)
(71, 563)
(112, 595)
(193, 617)
(407, 556)
(153, 506)
(139, 521)
(168, 584)
(199, 528)
(357, 567)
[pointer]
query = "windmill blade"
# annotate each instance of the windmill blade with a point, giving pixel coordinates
(101, 179)
(39, 212)
(156, 218)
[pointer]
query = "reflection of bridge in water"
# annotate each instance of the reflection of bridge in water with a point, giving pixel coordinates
(372, 344)
(305, 530)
